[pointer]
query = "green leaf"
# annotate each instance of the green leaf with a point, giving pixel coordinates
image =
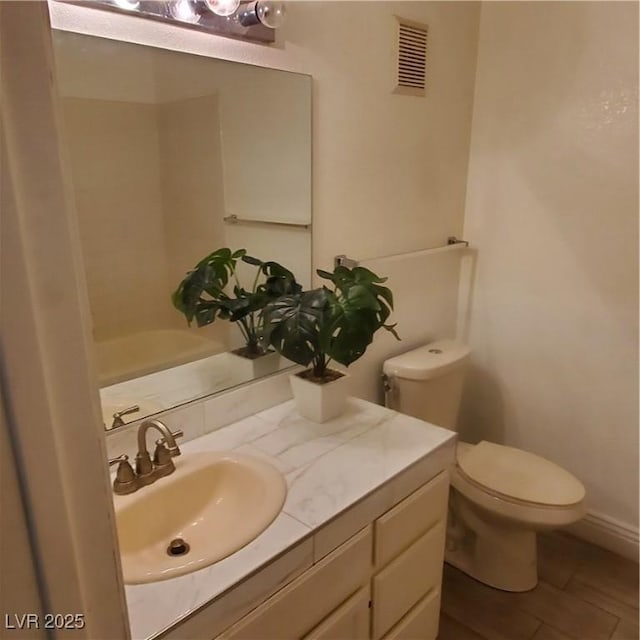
(203, 294)
(385, 294)
(359, 297)
(251, 260)
(280, 280)
(391, 329)
(325, 274)
(363, 275)
(293, 322)
(206, 313)
(353, 337)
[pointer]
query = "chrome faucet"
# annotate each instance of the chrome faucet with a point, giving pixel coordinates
(148, 471)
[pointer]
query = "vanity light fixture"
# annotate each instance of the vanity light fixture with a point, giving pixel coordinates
(223, 7)
(184, 11)
(127, 5)
(249, 20)
(270, 13)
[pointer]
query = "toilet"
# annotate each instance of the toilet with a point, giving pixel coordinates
(500, 496)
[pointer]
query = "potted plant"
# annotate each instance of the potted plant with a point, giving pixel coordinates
(212, 290)
(325, 324)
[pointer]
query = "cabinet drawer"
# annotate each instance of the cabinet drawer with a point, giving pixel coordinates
(348, 622)
(408, 520)
(421, 622)
(303, 603)
(400, 585)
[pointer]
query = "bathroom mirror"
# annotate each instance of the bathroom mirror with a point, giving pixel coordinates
(172, 156)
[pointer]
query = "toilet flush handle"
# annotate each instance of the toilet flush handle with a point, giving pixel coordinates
(389, 390)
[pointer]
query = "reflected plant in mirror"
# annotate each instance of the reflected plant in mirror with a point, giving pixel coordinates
(203, 295)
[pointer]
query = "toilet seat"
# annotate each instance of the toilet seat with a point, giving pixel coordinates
(518, 476)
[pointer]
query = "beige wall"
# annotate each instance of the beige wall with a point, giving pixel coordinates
(553, 210)
(389, 171)
(119, 203)
(265, 121)
(145, 217)
(192, 194)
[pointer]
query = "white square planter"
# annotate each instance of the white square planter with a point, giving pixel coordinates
(244, 369)
(320, 402)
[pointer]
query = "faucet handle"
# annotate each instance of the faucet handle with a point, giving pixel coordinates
(117, 416)
(125, 481)
(161, 455)
(132, 409)
(173, 449)
(162, 462)
(123, 458)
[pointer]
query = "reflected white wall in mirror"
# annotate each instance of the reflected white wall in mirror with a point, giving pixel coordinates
(163, 146)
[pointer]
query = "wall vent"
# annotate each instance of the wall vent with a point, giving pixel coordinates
(412, 58)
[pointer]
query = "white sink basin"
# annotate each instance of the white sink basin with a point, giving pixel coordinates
(215, 502)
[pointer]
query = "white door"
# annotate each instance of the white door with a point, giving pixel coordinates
(51, 410)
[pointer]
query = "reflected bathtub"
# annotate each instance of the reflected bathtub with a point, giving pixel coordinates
(139, 354)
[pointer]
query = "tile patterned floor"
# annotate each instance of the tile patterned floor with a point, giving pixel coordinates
(584, 593)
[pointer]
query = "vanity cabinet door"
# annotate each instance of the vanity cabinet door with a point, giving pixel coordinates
(397, 529)
(408, 578)
(305, 602)
(349, 622)
(421, 622)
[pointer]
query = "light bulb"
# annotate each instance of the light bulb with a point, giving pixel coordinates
(130, 5)
(271, 13)
(223, 7)
(184, 10)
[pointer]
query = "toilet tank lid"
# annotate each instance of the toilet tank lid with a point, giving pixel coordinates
(428, 361)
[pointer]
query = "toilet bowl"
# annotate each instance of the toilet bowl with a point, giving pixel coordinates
(500, 496)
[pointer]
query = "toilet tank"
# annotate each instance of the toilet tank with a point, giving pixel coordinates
(427, 382)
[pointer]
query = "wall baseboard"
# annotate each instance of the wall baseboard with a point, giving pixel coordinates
(609, 533)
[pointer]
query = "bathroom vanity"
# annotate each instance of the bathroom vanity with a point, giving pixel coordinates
(356, 552)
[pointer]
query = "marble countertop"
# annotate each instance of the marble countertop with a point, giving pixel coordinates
(328, 468)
